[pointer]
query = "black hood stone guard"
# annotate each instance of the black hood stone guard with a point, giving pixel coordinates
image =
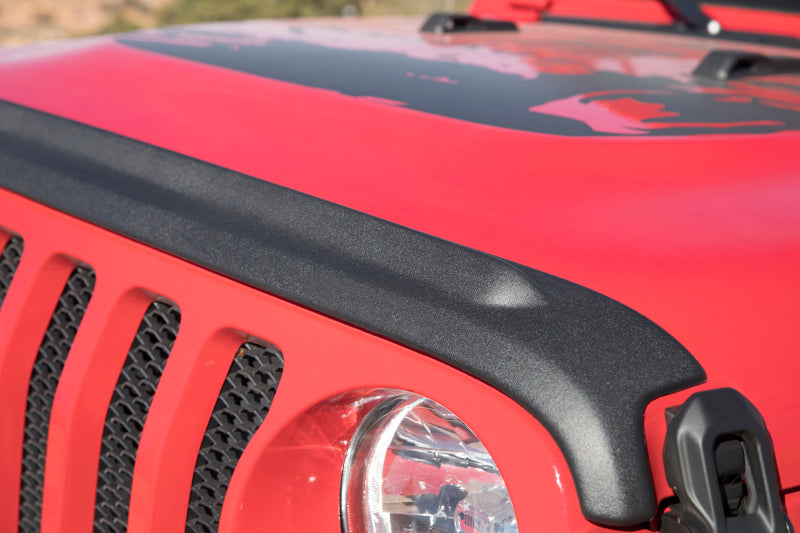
(584, 365)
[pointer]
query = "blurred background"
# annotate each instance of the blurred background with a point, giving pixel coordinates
(27, 21)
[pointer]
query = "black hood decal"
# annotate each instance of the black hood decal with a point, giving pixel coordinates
(557, 89)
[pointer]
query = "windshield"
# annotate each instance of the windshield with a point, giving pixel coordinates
(779, 5)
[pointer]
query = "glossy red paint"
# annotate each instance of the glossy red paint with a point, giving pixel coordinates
(520, 12)
(792, 503)
(647, 11)
(300, 446)
(700, 234)
(638, 11)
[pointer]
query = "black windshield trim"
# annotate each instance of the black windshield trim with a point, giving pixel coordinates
(679, 29)
(781, 6)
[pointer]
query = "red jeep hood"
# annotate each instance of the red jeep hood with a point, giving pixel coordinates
(575, 151)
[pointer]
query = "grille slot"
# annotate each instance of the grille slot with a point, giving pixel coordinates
(42, 388)
(127, 413)
(242, 404)
(9, 261)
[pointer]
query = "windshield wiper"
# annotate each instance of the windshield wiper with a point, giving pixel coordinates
(688, 19)
(689, 13)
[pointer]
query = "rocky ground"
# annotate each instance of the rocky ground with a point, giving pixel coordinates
(27, 21)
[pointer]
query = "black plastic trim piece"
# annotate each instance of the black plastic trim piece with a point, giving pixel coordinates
(723, 65)
(461, 23)
(581, 363)
(718, 441)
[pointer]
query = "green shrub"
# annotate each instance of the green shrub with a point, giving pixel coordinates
(118, 24)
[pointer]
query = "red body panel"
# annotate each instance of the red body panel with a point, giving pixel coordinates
(641, 11)
(301, 444)
(701, 234)
(792, 503)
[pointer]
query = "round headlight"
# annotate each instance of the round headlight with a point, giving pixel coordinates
(413, 466)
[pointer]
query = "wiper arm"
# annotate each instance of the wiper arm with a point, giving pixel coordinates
(688, 13)
(688, 19)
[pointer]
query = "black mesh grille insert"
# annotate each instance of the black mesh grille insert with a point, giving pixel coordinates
(243, 403)
(9, 261)
(42, 388)
(127, 412)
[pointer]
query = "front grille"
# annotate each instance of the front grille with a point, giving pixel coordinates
(216, 392)
(243, 403)
(127, 413)
(9, 261)
(41, 391)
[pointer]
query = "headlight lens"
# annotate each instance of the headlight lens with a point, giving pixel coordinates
(413, 466)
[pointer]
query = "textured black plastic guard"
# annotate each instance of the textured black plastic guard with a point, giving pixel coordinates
(9, 261)
(582, 364)
(243, 402)
(42, 389)
(127, 412)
